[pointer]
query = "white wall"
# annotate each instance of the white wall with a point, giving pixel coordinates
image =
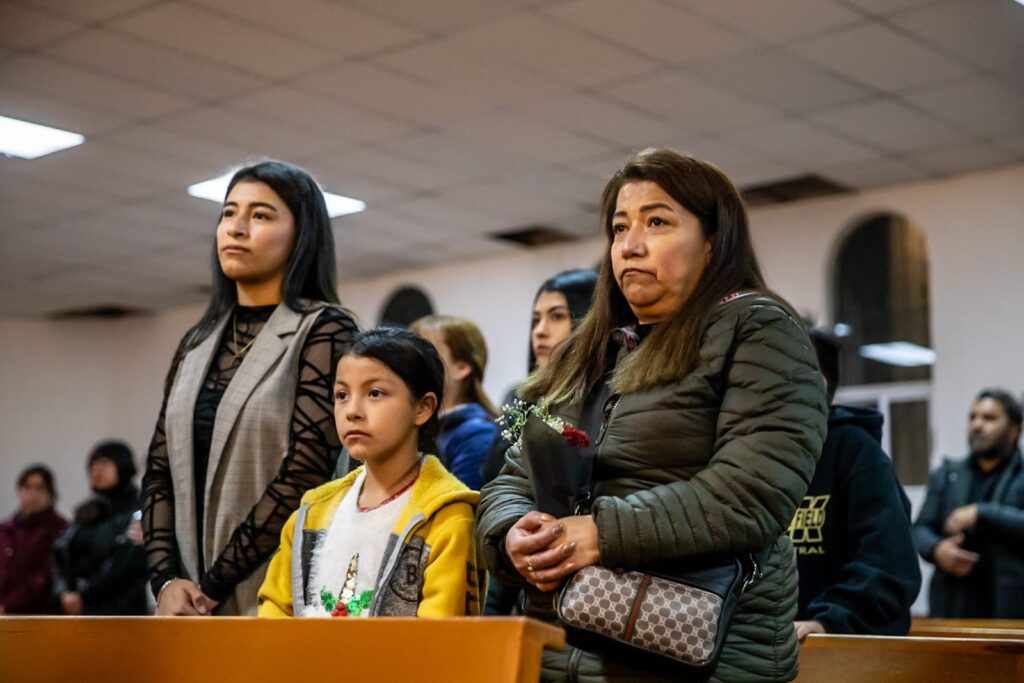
(64, 385)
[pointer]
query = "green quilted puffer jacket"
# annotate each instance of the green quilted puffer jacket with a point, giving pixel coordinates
(715, 463)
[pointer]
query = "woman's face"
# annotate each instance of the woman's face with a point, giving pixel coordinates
(658, 250)
(255, 235)
(33, 496)
(102, 474)
(552, 324)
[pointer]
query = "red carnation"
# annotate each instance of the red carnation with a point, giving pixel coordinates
(575, 437)
(340, 610)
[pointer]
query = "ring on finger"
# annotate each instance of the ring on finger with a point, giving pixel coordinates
(529, 566)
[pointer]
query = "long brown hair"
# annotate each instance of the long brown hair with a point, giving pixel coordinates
(466, 344)
(671, 349)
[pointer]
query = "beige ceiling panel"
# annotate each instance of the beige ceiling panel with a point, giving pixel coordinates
(225, 40)
(156, 66)
(775, 21)
(655, 29)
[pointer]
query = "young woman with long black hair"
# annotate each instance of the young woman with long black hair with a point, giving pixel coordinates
(246, 425)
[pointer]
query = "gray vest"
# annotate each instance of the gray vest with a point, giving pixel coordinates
(251, 435)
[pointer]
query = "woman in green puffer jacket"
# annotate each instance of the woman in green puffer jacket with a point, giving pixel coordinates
(714, 417)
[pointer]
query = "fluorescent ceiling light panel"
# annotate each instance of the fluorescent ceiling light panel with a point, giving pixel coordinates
(903, 354)
(31, 141)
(215, 189)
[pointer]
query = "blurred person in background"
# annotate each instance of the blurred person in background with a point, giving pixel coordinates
(467, 415)
(855, 557)
(26, 545)
(971, 525)
(99, 566)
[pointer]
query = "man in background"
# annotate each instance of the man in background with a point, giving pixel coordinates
(971, 525)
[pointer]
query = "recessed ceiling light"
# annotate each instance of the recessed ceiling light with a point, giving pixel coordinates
(31, 141)
(215, 189)
(903, 354)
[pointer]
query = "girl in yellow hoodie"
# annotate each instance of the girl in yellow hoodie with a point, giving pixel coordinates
(396, 536)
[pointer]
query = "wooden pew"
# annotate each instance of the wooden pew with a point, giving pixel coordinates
(968, 628)
(225, 649)
(849, 659)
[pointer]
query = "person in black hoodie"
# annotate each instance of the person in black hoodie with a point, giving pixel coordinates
(858, 569)
(99, 562)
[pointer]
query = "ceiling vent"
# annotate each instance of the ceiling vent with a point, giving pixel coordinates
(534, 235)
(96, 313)
(794, 189)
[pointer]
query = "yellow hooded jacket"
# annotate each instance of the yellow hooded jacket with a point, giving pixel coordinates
(430, 567)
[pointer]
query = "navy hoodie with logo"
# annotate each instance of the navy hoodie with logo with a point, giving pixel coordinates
(858, 569)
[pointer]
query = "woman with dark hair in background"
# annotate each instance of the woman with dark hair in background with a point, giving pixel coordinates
(98, 568)
(246, 425)
(706, 413)
(467, 415)
(26, 545)
(559, 305)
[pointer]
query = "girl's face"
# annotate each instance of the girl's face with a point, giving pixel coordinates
(255, 235)
(455, 371)
(376, 414)
(552, 324)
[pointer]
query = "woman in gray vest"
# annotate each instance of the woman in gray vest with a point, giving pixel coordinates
(247, 422)
(706, 414)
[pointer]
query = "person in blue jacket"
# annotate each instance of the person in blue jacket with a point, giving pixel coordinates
(855, 555)
(467, 415)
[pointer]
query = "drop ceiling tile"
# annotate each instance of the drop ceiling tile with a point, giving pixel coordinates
(982, 105)
(520, 137)
(769, 76)
(258, 137)
(689, 103)
(206, 156)
(461, 68)
(802, 144)
(659, 31)
(90, 10)
(442, 219)
(777, 21)
(75, 86)
(383, 90)
(889, 125)
(558, 52)
(25, 201)
(743, 165)
(956, 159)
(392, 168)
(438, 16)
(986, 33)
(598, 117)
(53, 110)
(882, 7)
(880, 57)
(324, 24)
(166, 69)
(512, 205)
(452, 155)
(337, 123)
(235, 42)
(341, 180)
(24, 28)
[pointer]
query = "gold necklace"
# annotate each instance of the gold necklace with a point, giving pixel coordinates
(238, 352)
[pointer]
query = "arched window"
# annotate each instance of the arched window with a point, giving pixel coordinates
(405, 307)
(881, 311)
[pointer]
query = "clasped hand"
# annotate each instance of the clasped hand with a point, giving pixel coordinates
(546, 550)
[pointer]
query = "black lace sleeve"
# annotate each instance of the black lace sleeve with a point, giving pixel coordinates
(310, 461)
(162, 552)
